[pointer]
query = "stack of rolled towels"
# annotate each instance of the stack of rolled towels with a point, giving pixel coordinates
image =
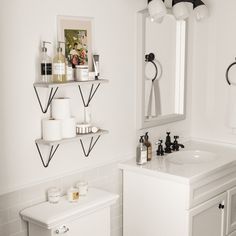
(61, 125)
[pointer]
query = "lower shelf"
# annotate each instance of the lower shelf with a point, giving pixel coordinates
(54, 145)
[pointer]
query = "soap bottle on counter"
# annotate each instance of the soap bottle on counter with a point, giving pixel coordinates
(141, 157)
(59, 66)
(45, 65)
(148, 144)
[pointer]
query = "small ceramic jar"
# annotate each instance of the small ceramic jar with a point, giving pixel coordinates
(54, 195)
(81, 73)
(73, 194)
(83, 188)
(83, 128)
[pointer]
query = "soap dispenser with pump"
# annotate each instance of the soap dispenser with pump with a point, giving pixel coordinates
(149, 147)
(59, 66)
(45, 65)
(141, 157)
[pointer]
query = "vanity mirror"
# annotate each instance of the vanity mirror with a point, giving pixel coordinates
(161, 70)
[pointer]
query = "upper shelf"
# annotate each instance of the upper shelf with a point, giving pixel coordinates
(69, 83)
(55, 86)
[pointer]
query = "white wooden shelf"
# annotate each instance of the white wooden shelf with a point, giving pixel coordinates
(69, 83)
(55, 144)
(55, 86)
(76, 138)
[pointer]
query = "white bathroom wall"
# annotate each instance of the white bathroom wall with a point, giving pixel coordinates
(214, 49)
(23, 24)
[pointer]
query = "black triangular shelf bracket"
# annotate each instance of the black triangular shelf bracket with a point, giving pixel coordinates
(51, 154)
(91, 94)
(91, 145)
(52, 94)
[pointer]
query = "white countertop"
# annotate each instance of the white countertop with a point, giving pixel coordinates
(186, 173)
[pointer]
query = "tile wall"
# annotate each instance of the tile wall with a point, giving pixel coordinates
(108, 178)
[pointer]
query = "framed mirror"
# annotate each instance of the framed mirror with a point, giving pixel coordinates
(161, 81)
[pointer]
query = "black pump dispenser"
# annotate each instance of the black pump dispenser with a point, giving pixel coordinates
(141, 140)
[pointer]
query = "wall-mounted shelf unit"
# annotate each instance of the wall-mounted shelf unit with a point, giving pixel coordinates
(54, 145)
(55, 86)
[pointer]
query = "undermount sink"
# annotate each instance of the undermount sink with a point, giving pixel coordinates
(191, 157)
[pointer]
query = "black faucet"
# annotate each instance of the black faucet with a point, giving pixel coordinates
(176, 145)
(168, 143)
(160, 151)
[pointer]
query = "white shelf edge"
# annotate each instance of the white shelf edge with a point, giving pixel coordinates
(69, 83)
(51, 143)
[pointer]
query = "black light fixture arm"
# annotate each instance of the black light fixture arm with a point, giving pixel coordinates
(151, 0)
(196, 3)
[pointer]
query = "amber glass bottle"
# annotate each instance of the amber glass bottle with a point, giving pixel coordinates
(148, 144)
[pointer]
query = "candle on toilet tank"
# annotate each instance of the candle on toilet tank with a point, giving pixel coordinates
(73, 194)
(83, 188)
(54, 195)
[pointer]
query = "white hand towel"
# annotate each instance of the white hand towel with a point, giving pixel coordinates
(154, 103)
(157, 94)
(151, 103)
(232, 106)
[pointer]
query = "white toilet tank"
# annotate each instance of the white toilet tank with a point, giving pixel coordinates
(88, 217)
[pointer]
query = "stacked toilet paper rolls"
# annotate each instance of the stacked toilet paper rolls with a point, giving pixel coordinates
(61, 108)
(68, 127)
(51, 129)
(61, 125)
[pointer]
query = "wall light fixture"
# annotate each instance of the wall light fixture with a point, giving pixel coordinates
(157, 10)
(200, 10)
(181, 9)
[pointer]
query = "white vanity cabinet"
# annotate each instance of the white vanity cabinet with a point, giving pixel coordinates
(163, 199)
(208, 219)
(231, 216)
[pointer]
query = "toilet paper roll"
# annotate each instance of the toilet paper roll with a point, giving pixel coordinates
(51, 129)
(61, 108)
(68, 128)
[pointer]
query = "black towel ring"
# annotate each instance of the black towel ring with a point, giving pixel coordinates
(227, 72)
(150, 58)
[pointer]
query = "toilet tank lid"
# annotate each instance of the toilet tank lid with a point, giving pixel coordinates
(48, 215)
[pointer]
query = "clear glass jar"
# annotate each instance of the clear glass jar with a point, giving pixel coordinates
(54, 195)
(83, 188)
